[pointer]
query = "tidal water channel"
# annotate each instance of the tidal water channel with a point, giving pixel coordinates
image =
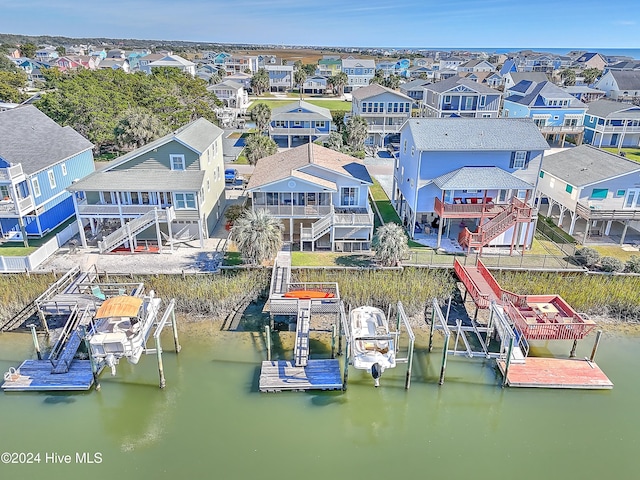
(211, 421)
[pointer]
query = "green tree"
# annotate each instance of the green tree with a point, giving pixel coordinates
(568, 76)
(28, 50)
(137, 127)
(297, 65)
(260, 81)
(390, 244)
(6, 65)
(338, 82)
(335, 142)
(61, 50)
(392, 81)
(261, 114)
(299, 78)
(258, 236)
(356, 132)
(215, 79)
(378, 78)
(590, 75)
(337, 117)
(258, 146)
(310, 68)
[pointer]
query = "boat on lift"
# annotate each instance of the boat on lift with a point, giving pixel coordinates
(372, 345)
(122, 327)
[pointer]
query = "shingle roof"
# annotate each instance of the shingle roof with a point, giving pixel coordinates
(449, 83)
(536, 93)
(290, 108)
(627, 79)
(29, 137)
(498, 134)
(585, 165)
(533, 76)
(283, 165)
(373, 90)
(482, 178)
(418, 83)
(226, 84)
(137, 180)
(355, 62)
(603, 108)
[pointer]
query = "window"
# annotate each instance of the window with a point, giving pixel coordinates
(483, 100)
(177, 162)
(349, 196)
(185, 200)
(405, 147)
(620, 193)
(279, 124)
(63, 167)
(413, 150)
(518, 159)
(36, 187)
(4, 192)
(297, 123)
(447, 99)
(541, 174)
(599, 193)
(52, 178)
(486, 115)
(568, 188)
(321, 124)
(506, 114)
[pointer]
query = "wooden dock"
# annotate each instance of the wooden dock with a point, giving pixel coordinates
(303, 325)
(282, 375)
(36, 376)
(556, 373)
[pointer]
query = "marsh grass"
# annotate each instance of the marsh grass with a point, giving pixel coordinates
(18, 290)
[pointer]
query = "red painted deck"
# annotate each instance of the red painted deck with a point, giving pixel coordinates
(556, 373)
(479, 283)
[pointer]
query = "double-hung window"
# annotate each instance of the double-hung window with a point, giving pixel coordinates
(349, 196)
(185, 201)
(177, 162)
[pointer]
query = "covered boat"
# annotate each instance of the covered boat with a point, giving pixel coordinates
(373, 346)
(122, 327)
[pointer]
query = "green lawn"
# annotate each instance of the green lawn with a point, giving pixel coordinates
(614, 251)
(17, 249)
(330, 259)
(631, 153)
(330, 104)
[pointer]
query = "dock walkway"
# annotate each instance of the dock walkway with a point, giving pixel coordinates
(36, 376)
(283, 375)
(303, 325)
(556, 373)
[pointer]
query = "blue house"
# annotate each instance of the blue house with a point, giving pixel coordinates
(555, 111)
(460, 97)
(612, 124)
(299, 122)
(471, 180)
(39, 159)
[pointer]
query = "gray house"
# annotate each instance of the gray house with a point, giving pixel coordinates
(595, 193)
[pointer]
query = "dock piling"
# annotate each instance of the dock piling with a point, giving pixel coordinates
(572, 353)
(36, 344)
(444, 358)
(163, 382)
(595, 346)
(94, 367)
(174, 326)
(267, 337)
(333, 340)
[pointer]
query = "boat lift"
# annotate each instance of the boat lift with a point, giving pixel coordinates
(513, 346)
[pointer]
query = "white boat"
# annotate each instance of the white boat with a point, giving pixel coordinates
(373, 346)
(122, 327)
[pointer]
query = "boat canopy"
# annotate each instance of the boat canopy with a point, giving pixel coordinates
(121, 306)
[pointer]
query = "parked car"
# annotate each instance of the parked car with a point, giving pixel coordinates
(230, 175)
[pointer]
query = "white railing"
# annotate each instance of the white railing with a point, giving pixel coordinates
(23, 206)
(617, 129)
(384, 128)
(114, 210)
(10, 173)
(296, 211)
(135, 226)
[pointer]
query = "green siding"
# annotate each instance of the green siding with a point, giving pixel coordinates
(159, 158)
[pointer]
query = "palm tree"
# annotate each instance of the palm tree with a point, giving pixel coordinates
(258, 146)
(260, 81)
(568, 76)
(338, 81)
(299, 77)
(390, 244)
(590, 75)
(258, 235)
(356, 130)
(137, 127)
(261, 114)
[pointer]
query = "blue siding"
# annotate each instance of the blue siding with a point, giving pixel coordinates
(77, 167)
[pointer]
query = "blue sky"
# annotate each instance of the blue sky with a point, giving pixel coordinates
(399, 23)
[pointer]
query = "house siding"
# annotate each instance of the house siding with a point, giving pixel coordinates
(159, 158)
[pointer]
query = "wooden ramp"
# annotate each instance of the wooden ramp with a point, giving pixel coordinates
(479, 283)
(303, 325)
(36, 376)
(556, 373)
(281, 375)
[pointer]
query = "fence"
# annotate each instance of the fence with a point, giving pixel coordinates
(35, 259)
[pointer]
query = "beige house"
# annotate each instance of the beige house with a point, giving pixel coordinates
(171, 189)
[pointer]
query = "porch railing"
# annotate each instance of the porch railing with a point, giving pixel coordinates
(595, 213)
(296, 211)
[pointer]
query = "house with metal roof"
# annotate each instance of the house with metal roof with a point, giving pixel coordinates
(299, 122)
(555, 111)
(461, 97)
(621, 85)
(612, 124)
(384, 109)
(470, 180)
(39, 159)
(171, 189)
(595, 194)
(320, 195)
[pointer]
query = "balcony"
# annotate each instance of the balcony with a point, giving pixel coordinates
(384, 128)
(11, 208)
(569, 129)
(13, 174)
(113, 210)
(468, 210)
(617, 128)
(597, 213)
(296, 211)
(297, 131)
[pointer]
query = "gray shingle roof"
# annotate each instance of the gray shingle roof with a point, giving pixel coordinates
(533, 76)
(457, 134)
(627, 80)
(450, 83)
(585, 165)
(373, 90)
(603, 108)
(290, 108)
(29, 137)
(482, 178)
(544, 90)
(137, 181)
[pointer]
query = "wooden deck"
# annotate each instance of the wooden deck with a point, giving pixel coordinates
(36, 376)
(281, 375)
(556, 373)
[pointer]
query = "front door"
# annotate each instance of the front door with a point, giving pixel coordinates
(632, 199)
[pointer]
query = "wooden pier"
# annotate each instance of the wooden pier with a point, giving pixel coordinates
(556, 373)
(36, 376)
(283, 375)
(303, 325)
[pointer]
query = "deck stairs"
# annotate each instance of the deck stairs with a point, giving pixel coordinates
(301, 348)
(67, 345)
(134, 227)
(318, 229)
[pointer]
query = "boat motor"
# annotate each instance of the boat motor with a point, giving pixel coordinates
(376, 373)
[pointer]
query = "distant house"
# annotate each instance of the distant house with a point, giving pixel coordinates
(320, 195)
(231, 94)
(414, 89)
(315, 85)
(591, 60)
(116, 53)
(511, 78)
(328, 66)
(299, 122)
(39, 159)
(359, 72)
(477, 65)
(46, 54)
(620, 85)
(584, 93)
(172, 188)
(115, 64)
(460, 97)
(240, 64)
(595, 192)
(456, 175)
(419, 71)
(556, 112)
(144, 61)
(612, 124)
(243, 79)
(451, 63)
(385, 111)
(173, 61)
(280, 77)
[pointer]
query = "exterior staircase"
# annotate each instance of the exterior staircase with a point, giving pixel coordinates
(318, 229)
(134, 227)
(516, 212)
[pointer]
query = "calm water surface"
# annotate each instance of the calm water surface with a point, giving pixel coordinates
(211, 422)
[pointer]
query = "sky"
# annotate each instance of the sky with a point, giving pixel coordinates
(358, 23)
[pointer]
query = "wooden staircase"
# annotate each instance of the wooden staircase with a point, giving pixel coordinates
(132, 228)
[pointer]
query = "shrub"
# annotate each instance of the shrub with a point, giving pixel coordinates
(633, 264)
(587, 256)
(611, 264)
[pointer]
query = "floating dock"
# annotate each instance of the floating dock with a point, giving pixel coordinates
(556, 373)
(36, 376)
(283, 375)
